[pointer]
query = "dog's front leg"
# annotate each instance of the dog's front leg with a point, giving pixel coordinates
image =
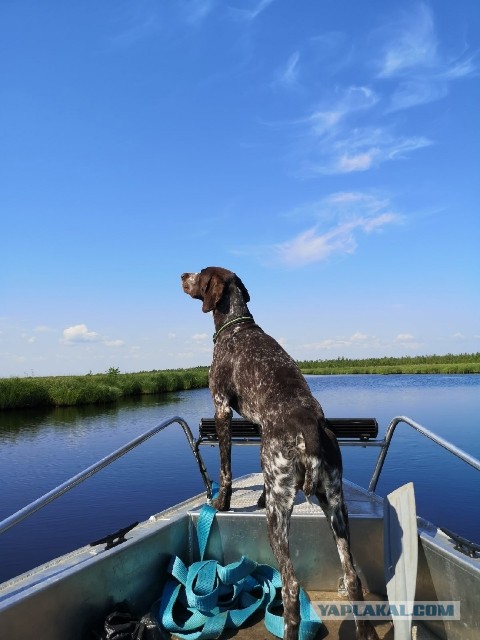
(223, 416)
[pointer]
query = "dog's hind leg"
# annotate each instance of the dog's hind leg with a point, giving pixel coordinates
(331, 499)
(280, 493)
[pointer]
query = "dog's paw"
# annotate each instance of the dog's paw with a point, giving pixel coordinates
(366, 631)
(222, 503)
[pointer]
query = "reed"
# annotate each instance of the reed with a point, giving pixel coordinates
(23, 392)
(62, 391)
(447, 364)
(76, 391)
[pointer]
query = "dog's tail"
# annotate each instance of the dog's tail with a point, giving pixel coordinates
(311, 466)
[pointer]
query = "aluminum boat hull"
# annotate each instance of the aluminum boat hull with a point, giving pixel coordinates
(70, 596)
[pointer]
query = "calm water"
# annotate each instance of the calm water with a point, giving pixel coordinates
(39, 450)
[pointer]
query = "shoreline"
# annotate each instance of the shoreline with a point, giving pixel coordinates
(106, 388)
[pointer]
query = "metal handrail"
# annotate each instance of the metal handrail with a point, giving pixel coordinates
(104, 462)
(459, 453)
(97, 466)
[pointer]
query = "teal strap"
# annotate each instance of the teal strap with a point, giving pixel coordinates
(200, 601)
(204, 524)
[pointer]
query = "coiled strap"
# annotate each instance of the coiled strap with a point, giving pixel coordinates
(200, 601)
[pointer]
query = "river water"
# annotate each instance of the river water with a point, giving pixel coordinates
(41, 449)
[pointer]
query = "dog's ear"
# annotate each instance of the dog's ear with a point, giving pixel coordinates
(212, 292)
(243, 289)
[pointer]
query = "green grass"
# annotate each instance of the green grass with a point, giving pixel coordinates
(462, 363)
(102, 388)
(62, 391)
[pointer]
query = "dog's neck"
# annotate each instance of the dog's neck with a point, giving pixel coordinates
(232, 307)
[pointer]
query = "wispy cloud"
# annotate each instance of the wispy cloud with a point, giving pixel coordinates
(350, 215)
(461, 67)
(407, 341)
(113, 343)
(200, 337)
(135, 28)
(347, 150)
(346, 134)
(287, 75)
(411, 44)
(358, 339)
(327, 119)
(196, 11)
(337, 225)
(253, 11)
(42, 328)
(423, 87)
(412, 93)
(316, 245)
(353, 128)
(413, 57)
(361, 342)
(404, 337)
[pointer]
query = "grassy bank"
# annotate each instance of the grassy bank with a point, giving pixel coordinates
(62, 391)
(462, 363)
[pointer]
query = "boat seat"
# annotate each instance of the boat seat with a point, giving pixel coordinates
(245, 432)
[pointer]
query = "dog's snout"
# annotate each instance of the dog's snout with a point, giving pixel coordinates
(188, 282)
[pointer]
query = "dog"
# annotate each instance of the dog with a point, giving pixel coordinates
(253, 375)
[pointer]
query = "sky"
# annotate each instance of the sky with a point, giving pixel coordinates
(327, 152)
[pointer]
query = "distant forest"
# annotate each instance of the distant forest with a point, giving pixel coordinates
(450, 363)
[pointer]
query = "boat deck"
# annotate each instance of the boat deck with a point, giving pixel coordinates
(247, 491)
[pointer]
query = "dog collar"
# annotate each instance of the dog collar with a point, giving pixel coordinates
(227, 324)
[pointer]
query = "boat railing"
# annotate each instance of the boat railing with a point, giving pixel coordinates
(385, 445)
(350, 432)
(101, 464)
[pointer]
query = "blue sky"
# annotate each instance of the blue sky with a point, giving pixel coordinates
(327, 152)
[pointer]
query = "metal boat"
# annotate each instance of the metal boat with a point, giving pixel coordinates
(71, 596)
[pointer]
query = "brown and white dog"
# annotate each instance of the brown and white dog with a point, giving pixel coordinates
(252, 374)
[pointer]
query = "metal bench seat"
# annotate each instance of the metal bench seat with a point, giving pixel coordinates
(245, 432)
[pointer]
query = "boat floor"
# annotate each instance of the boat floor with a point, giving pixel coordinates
(330, 630)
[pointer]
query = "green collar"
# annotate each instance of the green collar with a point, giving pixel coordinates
(227, 324)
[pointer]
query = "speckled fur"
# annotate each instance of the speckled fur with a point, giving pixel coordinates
(252, 374)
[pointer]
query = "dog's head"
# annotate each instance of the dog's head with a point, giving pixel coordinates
(210, 285)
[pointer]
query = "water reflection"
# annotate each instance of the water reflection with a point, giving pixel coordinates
(21, 423)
